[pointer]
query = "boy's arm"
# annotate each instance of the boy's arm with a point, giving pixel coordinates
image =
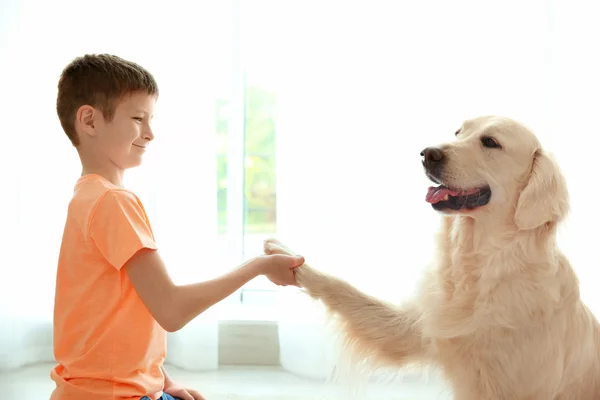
(174, 306)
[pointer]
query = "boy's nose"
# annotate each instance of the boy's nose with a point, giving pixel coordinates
(148, 134)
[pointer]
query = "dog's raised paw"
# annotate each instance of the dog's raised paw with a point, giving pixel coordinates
(271, 246)
(274, 246)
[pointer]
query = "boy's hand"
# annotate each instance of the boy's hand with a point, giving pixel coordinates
(278, 268)
(180, 393)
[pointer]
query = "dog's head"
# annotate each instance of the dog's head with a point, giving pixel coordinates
(496, 164)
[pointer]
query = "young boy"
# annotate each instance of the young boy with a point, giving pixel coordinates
(114, 298)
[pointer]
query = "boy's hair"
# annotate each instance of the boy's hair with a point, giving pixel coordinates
(98, 80)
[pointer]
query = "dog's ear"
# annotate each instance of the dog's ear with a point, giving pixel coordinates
(545, 198)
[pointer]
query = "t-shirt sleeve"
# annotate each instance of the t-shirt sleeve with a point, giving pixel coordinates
(119, 227)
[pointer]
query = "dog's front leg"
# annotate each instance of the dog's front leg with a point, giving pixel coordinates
(371, 326)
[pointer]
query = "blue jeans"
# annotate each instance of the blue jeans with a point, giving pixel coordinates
(165, 396)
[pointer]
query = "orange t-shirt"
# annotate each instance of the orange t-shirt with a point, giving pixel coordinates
(107, 344)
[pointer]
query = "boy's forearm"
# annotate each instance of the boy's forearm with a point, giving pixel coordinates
(191, 300)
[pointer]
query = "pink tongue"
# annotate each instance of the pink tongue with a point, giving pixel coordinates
(436, 194)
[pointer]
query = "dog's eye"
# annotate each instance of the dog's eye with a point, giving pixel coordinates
(457, 132)
(490, 143)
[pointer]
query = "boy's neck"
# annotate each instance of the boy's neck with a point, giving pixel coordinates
(92, 163)
(113, 176)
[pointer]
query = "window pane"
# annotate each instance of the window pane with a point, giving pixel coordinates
(260, 186)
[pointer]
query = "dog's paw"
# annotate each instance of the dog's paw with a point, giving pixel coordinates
(274, 246)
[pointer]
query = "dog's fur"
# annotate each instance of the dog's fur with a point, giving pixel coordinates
(500, 313)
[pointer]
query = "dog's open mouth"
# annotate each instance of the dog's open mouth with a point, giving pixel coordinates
(442, 197)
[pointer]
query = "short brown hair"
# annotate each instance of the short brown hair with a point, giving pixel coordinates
(98, 80)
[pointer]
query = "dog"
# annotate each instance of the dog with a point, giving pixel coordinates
(499, 313)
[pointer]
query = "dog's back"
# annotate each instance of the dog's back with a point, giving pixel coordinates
(581, 376)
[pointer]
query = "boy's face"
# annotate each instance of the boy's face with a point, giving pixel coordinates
(123, 140)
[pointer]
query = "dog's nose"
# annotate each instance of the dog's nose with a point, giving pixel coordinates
(432, 155)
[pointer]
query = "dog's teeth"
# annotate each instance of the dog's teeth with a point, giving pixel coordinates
(445, 198)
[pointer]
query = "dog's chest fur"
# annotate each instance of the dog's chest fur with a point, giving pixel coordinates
(463, 283)
(479, 277)
(485, 297)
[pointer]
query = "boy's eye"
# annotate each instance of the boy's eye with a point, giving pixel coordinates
(138, 119)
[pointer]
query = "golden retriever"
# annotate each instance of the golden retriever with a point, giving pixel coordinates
(500, 313)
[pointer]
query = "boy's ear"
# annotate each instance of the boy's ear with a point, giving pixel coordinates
(545, 198)
(85, 119)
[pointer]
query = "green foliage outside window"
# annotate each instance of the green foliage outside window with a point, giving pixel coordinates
(259, 163)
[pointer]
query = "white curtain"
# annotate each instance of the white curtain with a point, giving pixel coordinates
(186, 47)
(365, 86)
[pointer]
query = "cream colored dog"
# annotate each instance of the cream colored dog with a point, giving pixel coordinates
(500, 313)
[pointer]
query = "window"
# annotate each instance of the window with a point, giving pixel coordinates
(245, 157)
(259, 206)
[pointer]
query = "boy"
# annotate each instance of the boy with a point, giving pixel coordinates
(114, 298)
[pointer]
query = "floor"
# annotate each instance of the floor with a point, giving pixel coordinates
(239, 383)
